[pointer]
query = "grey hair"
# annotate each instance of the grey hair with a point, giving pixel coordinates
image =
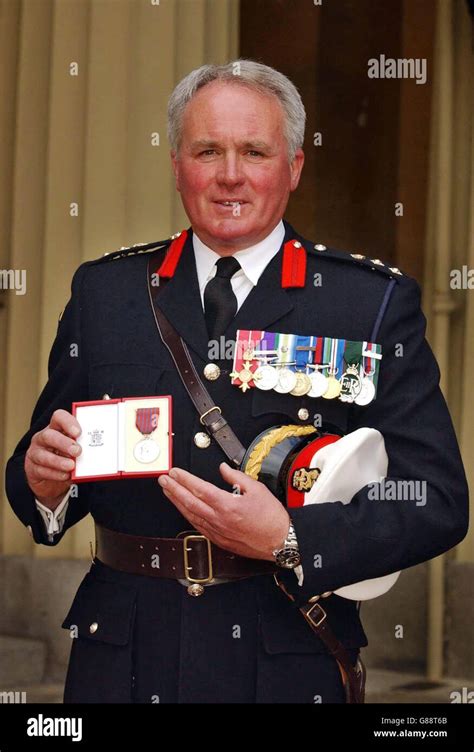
(248, 73)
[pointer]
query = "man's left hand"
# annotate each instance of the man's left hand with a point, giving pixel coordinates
(250, 522)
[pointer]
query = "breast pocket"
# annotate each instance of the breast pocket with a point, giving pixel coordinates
(124, 380)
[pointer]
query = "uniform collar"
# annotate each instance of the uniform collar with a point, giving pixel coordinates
(253, 260)
(180, 300)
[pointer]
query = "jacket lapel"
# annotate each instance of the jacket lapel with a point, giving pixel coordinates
(180, 301)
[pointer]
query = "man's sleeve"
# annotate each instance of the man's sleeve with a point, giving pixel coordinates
(54, 520)
(345, 543)
(67, 383)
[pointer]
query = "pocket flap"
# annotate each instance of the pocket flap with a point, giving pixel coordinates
(102, 611)
(123, 380)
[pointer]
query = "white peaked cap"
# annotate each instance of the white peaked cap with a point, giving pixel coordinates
(346, 466)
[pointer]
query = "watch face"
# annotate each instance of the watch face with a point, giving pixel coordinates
(289, 558)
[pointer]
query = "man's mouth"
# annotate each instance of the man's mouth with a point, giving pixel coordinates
(230, 202)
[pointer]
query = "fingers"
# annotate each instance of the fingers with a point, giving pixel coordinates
(236, 477)
(201, 489)
(188, 504)
(48, 459)
(53, 450)
(56, 442)
(37, 473)
(193, 508)
(63, 421)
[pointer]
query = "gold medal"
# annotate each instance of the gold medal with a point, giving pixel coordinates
(333, 389)
(245, 375)
(303, 384)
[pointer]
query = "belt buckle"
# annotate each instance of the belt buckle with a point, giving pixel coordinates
(196, 588)
(214, 407)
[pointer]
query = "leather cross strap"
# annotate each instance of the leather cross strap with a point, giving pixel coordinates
(210, 415)
(353, 677)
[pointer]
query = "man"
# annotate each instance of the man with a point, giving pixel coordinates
(236, 133)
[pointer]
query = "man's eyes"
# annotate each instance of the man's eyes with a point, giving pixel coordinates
(210, 152)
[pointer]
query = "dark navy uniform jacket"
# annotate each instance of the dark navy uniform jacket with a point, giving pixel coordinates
(243, 641)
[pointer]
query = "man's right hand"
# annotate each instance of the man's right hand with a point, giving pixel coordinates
(50, 458)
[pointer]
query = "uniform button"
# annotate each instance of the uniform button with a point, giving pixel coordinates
(303, 413)
(320, 247)
(195, 589)
(358, 256)
(212, 371)
(377, 261)
(202, 440)
(93, 627)
(106, 396)
(297, 244)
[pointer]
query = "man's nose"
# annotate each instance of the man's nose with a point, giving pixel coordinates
(230, 170)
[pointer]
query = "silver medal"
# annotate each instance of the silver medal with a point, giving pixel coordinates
(286, 381)
(319, 384)
(265, 377)
(146, 451)
(367, 392)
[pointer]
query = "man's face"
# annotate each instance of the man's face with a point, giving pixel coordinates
(232, 167)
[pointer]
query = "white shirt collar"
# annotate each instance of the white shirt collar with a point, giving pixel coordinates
(253, 260)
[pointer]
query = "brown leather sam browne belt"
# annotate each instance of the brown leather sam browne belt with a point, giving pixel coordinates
(191, 557)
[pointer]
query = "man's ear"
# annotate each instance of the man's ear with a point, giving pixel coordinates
(296, 167)
(175, 167)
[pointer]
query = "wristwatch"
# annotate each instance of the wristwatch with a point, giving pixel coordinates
(288, 556)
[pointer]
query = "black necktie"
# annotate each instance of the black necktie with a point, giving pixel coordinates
(220, 303)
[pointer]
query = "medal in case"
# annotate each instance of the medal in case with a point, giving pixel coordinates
(147, 450)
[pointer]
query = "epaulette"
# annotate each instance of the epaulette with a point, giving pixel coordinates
(126, 251)
(134, 250)
(358, 259)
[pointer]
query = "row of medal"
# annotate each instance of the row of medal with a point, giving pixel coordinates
(300, 365)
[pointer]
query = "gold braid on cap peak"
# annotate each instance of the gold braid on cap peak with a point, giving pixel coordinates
(265, 445)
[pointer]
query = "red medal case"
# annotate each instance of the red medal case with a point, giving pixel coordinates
(112, 444)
